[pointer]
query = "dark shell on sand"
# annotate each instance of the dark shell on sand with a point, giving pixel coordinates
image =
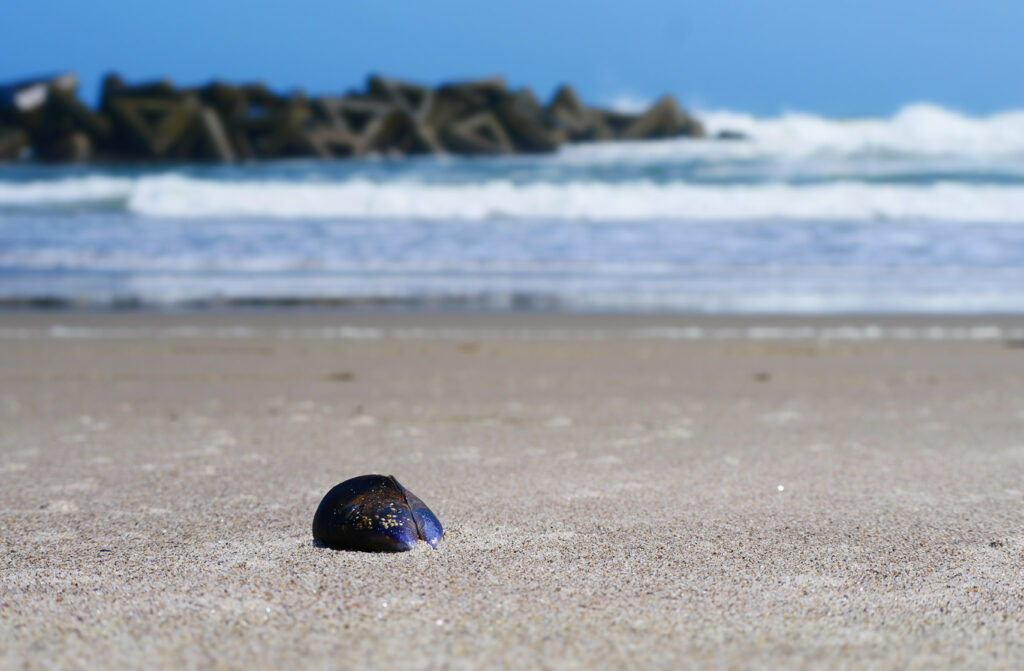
(374, 513)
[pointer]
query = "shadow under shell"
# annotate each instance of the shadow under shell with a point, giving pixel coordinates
(374, 513)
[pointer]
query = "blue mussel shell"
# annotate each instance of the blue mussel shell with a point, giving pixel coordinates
(374, 513)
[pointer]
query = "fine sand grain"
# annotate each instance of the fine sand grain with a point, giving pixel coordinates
(621, 501)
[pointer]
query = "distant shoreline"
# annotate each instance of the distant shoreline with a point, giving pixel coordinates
(450, 304)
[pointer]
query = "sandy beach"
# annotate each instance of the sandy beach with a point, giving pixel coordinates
(617, 492)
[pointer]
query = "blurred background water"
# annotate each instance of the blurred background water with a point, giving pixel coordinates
(922, 211)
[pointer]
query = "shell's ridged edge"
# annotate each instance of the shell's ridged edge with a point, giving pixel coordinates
(420, 535)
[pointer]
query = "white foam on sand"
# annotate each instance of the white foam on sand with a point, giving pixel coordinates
(836, 333)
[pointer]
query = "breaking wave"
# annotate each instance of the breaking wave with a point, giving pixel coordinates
(191, 198)
(359, 199)
(922, 131)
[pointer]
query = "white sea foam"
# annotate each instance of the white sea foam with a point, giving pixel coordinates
(190, 198)
(629, 103)
(916, 130)
(72, 190)
(920, 130)
(596, 201)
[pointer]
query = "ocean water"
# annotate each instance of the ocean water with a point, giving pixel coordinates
(920, 212)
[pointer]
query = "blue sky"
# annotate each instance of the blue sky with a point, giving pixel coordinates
(836, 57)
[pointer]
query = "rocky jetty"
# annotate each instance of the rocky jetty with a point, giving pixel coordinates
(43, 120)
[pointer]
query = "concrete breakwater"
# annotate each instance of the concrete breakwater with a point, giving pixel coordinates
(44, 120)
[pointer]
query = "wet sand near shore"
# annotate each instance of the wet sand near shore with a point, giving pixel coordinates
(617, 491)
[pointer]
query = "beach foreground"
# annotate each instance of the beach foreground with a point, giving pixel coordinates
(616, 492)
